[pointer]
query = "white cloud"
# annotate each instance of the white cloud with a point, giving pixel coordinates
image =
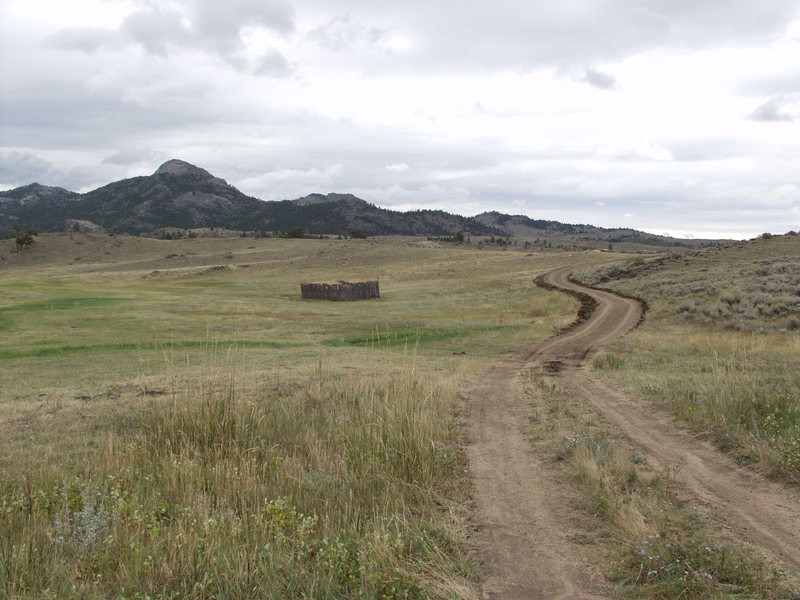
(397, 167)
(639, 152)
(285, 183)
(786, 195)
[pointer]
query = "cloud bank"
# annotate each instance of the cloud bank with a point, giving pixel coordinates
(679, 115)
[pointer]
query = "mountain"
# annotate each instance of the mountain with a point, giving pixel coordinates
(28, 204)
(342, 212)
(177, 194)
(522, 226)
(181, 195)
(184, 196)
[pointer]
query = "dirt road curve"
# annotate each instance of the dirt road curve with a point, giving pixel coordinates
(522, 530)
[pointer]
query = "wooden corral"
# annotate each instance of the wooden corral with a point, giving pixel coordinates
(341, 290)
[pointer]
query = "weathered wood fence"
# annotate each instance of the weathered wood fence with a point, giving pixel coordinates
(341, 290)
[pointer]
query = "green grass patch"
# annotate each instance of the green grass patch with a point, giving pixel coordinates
(99, 348)
(62, 303)
(388, 338)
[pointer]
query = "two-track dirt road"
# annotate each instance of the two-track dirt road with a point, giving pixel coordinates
(523, 540)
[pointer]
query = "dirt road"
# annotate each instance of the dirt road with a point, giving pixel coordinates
(523, 537)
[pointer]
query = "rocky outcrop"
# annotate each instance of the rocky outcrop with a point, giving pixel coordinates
(82, 226)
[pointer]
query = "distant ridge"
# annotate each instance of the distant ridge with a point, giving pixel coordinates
(181, 195)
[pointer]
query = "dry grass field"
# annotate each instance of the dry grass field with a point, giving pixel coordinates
(176, 422)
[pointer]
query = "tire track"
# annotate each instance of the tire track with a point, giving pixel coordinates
(522, 537)
(763, 512)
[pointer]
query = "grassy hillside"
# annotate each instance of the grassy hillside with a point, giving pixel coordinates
(720, 346)
(743, 286)
(176, 422)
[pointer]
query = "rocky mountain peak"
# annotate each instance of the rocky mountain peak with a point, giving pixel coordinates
(181, 167)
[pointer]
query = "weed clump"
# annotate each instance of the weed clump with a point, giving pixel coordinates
(84, 528)
(680, 564)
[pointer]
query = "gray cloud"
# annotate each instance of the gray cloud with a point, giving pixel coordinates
(206, 25)
(515, 35)
(599, 80)
(343, 32)
(505, 34)
(273, 64)
(771, 111)
(589, 75)
(85, 39)
(157, 31)
(216, 27)
(133, 155)
(22, 168)
(216, 19)
(18, 167)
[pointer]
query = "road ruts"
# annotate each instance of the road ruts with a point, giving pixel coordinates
(763, 512)
(521, 537)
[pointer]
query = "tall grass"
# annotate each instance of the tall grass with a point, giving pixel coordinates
(742, 390)
(336, 486)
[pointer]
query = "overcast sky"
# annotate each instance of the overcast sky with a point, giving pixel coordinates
(670, 116)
